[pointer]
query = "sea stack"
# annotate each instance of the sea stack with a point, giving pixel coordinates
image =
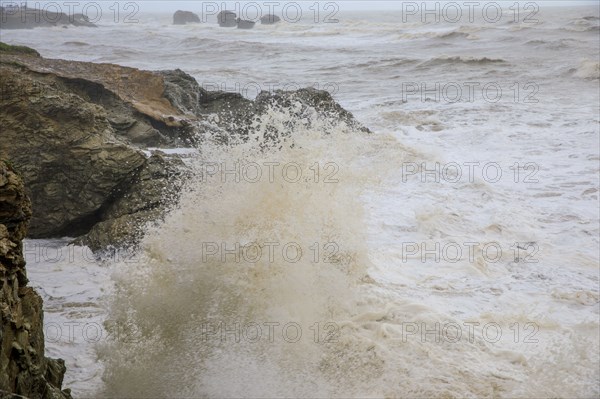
(227, 19)
(185, 17)
(245, 24)
(269, 19)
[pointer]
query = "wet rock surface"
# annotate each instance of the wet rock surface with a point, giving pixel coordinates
(23, 368)
(80, 134)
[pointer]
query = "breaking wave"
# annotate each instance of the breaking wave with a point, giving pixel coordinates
(176, 289)
(588, 69)
(241, 320)
(466, 60)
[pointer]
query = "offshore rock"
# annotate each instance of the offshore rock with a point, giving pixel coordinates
(185, 17)
(269, 19)
(245, 24)
(227, 19)
(17, 17)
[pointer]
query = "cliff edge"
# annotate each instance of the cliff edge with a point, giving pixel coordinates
(23, 368)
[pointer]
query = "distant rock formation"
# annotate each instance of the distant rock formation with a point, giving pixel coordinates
(27, 18)
(227, 19)
(79, 134)
(245, 24)
(23, 368)
(185, 17)
(269, 19)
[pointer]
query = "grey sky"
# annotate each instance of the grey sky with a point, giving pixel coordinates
(343, 5)
(195, 5)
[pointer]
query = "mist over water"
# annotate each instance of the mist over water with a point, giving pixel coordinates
(214, 304)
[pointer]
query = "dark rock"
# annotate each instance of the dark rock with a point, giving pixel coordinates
(269, 19)
(235, 114)
(185, 17)
(227, 19)
(245, 24)
(23, 368)
(143, 200)
(320, 101)
(185, 93)
(27, 18)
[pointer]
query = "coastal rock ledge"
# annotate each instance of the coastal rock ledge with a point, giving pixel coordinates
(23, 368)
(90, 140)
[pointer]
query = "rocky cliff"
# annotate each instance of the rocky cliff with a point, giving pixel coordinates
(23, 368)
(79, 133)
(76, 132)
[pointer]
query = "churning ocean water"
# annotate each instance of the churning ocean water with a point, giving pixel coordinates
(453, 252)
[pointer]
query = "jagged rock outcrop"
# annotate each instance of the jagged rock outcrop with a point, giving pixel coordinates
(18, 17)
(185, 17)
(236, 114)
(79, 134)
(269, 19)
(23, 368)
(227, 19)
(305, 101)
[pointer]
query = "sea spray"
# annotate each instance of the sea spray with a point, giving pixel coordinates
(217, 306)
(281, 249)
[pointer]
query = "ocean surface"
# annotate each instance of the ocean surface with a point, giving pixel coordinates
(453, 252)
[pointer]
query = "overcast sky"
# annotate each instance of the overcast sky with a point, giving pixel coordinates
(193, 5)
(343, 5)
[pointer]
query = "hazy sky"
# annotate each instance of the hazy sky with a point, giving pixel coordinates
(343, 5)
(194, 5)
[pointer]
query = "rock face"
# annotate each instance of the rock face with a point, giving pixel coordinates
(269, 19)
(79, 134)
(142, 91)
(27, 18)
(185, 17)
(144, 200)
(80, 163)
(245, 24)
(23, 368)
(227, 19)
(78, 142)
